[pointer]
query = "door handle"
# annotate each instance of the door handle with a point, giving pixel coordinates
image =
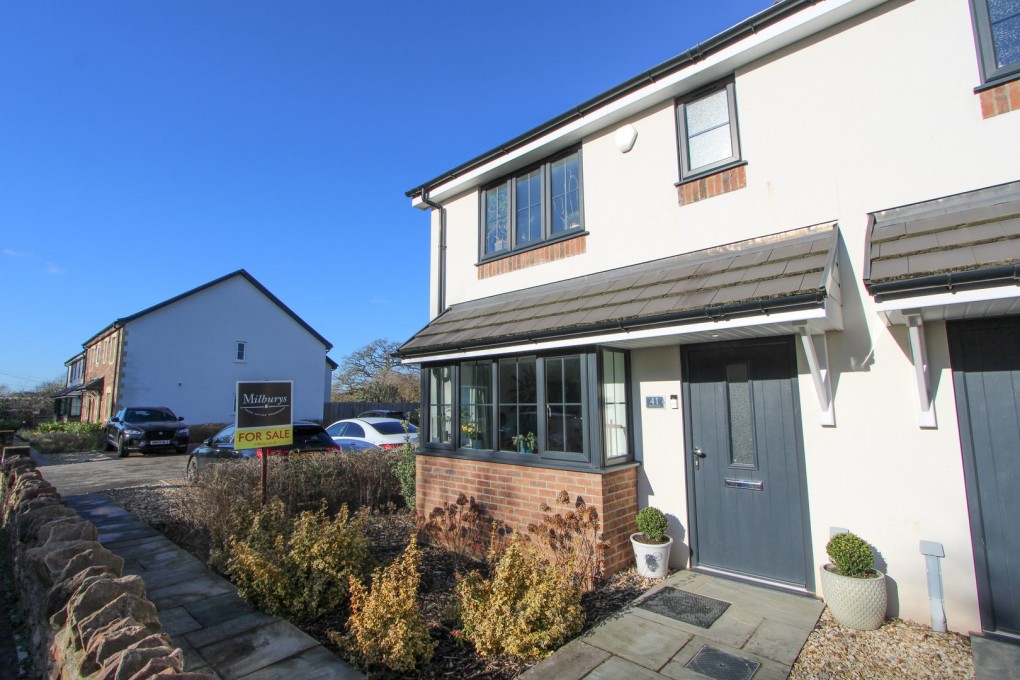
(698, 452)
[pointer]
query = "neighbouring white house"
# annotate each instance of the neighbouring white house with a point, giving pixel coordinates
(188, 352)
(769, 287)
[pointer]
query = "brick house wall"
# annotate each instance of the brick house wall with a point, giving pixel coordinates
(513, 494)
(102, 360)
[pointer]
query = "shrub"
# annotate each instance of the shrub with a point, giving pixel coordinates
(459, 527)
(574, 539)
(300, 567)
(653, 524)
(526, 609)
(851, 555)
(386, 628)
(406, 472)
(225, 498)
(66, 437)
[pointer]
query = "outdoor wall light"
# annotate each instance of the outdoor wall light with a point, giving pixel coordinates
(625, 138)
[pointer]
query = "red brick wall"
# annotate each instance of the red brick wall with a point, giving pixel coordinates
(549, 253)
(1001, 99)
(713, 185)
(512, 494)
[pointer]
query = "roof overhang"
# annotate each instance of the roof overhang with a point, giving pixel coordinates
(781, 284)
(714, 59)
(95, 385)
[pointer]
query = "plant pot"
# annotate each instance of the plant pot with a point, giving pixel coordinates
(857, 603)
(652, 558)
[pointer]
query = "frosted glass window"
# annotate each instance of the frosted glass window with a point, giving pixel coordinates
(614, 397)
(997, 24)
(708, 134)
(738, 392)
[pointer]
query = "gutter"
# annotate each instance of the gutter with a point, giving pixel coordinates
(441, 283)
(792, 303)
(777, 12)
(949, 282)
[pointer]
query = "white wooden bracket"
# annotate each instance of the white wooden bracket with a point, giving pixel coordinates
(817, 355)
(922, 372)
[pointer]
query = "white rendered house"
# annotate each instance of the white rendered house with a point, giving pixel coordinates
(770, 287)
(188, 352)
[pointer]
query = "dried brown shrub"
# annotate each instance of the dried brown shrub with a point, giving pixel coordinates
(574, 539)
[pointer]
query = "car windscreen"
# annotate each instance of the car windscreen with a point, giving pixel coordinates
(305, 438)
(148, 415)
(393, 427)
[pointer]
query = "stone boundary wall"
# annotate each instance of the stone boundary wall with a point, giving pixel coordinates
(87, 620)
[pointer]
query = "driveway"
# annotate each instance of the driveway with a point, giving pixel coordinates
(99, 472)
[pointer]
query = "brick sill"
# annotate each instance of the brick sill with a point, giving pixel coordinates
(548, 251)
(716, 184)
(527, 460)
(999, 99)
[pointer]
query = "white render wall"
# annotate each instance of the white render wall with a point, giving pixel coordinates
(876, 113)
(182, 356)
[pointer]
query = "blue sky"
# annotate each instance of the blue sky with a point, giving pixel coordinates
(147, 147)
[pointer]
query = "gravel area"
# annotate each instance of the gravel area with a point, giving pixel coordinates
(899, 649)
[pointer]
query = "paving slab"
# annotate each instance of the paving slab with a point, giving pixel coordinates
(573, 661)
(676, 668)
(995, 660)
(178, 621)
(256, 649)
(219, 609)
(314, 664)
(239, 625)
(778, 641)
(616, 668)
(733, 628)
(639, 640)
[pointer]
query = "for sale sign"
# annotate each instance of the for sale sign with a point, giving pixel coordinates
(263, 414)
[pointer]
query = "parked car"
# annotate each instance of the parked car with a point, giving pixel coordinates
(146, 429)
(220, 447)
(383, 413)
(386, 433)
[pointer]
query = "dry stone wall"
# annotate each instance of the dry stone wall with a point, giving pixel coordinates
(87, 620)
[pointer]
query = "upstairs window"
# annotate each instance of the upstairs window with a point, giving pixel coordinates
(707, 124)
(242, 351)
(997, 30)
(540, 204)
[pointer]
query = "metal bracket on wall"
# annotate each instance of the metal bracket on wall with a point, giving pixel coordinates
(922, 372)
(818, 363)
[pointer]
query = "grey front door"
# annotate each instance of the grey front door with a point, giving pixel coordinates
(745, 460)
(985, 356)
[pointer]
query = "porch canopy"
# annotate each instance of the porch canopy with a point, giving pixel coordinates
(770, 285)
(956, 257)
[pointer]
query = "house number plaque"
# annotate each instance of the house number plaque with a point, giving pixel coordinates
(655, 402)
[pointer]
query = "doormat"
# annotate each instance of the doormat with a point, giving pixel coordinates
(720, 665)
(681, 605)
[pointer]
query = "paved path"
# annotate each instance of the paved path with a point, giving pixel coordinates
(218, 632)
(760, 626)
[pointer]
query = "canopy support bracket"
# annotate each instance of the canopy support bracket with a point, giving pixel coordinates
(817, 355)
(922, 371)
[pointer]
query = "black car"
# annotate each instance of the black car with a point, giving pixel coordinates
(308, 436)
(145, 429)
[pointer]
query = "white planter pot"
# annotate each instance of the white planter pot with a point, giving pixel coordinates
(652, 558)
(857, 603)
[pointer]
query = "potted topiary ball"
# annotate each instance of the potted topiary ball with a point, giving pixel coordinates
(854, 590)
(651, 544)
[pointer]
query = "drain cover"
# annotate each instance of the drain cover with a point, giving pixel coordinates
(719, 665)
(681, 605)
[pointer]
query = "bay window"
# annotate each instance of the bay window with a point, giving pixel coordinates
(560, 410)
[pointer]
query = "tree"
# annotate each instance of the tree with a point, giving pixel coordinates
(26, 405)
(372, 373)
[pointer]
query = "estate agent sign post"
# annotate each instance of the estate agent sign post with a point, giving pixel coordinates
(264, 419)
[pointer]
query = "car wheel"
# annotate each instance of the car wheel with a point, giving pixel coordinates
(122, 447)
(191, 471)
